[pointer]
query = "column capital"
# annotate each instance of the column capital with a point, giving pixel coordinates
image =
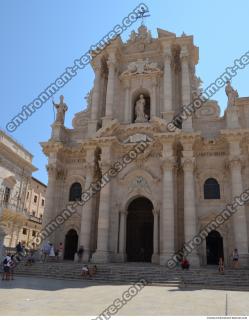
(89, 167)
(184, 55)
(235, 163)
(188, 164)
(168, 164)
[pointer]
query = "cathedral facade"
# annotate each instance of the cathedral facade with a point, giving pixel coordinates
(162, 197)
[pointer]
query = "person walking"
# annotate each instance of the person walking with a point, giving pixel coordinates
(11, 265)
(221, 265)
(235, 258)
(51, 252)
(45, 251)
(80, 253)
(60, 252)
(6, 269)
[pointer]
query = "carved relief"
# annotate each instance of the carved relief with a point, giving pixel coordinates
(139, 183)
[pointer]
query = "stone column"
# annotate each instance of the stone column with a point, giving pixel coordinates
(96, 92)
(127, 104)
(122, 236)
(102, 252)
(167, 236)
(186, 87)
(110, 89)
(167, 84)
(155, 257)
(239, 217)
(87, 209)
(153, 98)
(190, 220)
(93, 122)
(50, 203)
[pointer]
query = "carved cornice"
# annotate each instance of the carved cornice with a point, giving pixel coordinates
(51, 146)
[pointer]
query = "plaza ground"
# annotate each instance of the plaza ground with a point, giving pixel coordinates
(41, 296)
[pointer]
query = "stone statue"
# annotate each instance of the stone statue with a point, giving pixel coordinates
(231, 93)
(61, 110)
(139, 110)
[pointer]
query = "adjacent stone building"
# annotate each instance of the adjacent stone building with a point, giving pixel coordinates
(22, 197)
(164, 196)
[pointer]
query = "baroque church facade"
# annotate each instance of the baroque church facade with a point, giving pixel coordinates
(169, 192)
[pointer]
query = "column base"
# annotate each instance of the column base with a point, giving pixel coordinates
(86, 256)
(194, 260)
(101, 257)
(120, 257)
(155, 258)
(106, 120)
(166, 259)
(168, 116)
(92, 127)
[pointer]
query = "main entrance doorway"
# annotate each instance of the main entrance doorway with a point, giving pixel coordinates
(139, 231)
(71, 244)
(214, 246)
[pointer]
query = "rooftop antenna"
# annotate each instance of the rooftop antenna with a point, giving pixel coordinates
(143, 14)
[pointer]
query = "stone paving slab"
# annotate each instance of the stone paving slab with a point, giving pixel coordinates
(40, 296)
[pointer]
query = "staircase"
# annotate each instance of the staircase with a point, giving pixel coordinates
(132, 272)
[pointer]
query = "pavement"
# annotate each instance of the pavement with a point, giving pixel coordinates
(49, 297)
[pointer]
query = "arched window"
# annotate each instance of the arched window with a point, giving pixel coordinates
(211, 189)
(75, 192)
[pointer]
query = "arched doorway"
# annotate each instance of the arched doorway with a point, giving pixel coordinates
(214, 247)
(139, 230)
(71, 244)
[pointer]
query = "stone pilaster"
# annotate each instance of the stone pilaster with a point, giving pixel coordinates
(102, 253)
(127, 111)
(153, 98)
(87, 209)
(190, 218)
(155, 256)
(167, 84)
(167, 219)
(186, 87)
(50, 204)
(110, 88)
(122, 236)
(239, 218)
(92, 124)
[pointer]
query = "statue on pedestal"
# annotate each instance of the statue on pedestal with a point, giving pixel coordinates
(61, 110)
(139, 110)
(231, 93)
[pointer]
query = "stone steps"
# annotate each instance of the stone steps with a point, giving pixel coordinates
(130, 273)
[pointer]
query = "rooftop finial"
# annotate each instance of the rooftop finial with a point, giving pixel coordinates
(143, 13)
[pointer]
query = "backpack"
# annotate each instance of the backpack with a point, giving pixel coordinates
(5, 261)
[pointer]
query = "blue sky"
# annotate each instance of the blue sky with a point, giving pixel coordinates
(39, 39)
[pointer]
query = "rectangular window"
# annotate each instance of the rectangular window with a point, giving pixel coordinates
(33, 233)
(35, 199)
(24, 231)
(43, 202)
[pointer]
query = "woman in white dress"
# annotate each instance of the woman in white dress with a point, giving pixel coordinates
(51, 253)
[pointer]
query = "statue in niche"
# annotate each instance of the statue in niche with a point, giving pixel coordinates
(231, 93)
(139, 110)
(61, 110)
